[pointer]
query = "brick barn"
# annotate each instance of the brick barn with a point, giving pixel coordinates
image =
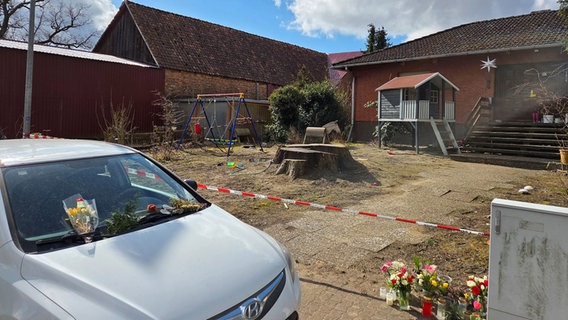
(199, 57)
(202, 58)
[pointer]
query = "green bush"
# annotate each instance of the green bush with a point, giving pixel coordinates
(284, 111)
(312, 105)
(322, 105)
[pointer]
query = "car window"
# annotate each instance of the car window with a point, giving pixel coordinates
(37, 192)
(139, 175)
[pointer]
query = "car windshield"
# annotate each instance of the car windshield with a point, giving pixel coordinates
(43, 197)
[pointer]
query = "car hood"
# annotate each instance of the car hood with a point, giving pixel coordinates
(190, 268)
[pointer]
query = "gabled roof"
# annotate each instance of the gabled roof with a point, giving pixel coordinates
(414, 81)
(540, 29)
(188, 44)
(69, 53)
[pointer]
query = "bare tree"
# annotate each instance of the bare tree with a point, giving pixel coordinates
(10, 18)
(58, 23)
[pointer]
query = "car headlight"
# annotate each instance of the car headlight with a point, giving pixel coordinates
(289, 261)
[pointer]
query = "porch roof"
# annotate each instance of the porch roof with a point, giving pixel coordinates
(415, 81)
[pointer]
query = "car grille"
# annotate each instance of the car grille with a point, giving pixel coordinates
(257, 305)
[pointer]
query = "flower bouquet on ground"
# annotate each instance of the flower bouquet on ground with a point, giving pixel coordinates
(477, 294)
(82, 214)
(427, 280)
(399, 279)
(444, 282)
(427, 284)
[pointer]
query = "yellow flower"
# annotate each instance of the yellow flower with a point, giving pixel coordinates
(445, 285)
(72, 211)
(466, 295)
(434, 282)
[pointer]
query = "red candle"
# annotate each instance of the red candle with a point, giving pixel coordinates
(427, 307)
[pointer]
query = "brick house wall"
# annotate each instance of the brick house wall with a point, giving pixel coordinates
(463, 71)
(186, 84)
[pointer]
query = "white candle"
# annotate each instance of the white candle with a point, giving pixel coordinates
(382, 293)
(390, 298)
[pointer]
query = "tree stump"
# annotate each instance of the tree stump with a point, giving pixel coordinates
(292, 167)
(297, 160)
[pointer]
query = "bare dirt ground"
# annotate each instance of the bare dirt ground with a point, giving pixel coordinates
(395, 182)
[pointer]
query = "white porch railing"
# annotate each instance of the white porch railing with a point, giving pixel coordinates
(408, 109)
(450, 110)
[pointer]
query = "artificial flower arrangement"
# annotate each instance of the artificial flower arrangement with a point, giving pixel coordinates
(82, 214)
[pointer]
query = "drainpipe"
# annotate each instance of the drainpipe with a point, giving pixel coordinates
(352, 106)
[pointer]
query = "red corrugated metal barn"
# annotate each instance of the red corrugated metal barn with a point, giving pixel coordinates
(72, 88)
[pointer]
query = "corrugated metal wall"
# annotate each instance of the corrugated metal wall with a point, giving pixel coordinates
(70, 94)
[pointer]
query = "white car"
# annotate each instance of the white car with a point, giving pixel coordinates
(93, 230)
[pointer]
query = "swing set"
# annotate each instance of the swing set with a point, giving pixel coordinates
(232, 124)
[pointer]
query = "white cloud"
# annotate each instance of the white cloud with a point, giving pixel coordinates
(409, 19)
(101, 12)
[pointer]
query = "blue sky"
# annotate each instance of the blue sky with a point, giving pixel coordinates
(260, 17)
(335, 25)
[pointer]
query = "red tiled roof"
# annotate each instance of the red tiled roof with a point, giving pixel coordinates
(405, 82)
(341, 56)
(336, 75)
(413, 81)
(188, 44)
(535, 30)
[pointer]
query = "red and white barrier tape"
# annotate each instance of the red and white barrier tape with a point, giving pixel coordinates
(320, 206)
(38, 136)
(142, 173)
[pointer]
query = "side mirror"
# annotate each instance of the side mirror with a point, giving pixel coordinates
(191, 183)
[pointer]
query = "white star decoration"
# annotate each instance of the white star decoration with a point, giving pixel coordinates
(488, 64)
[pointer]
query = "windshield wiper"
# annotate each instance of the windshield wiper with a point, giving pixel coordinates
(156, 216)
(71, 237)
(164, 214)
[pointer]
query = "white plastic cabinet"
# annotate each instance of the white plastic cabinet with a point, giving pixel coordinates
(528, 261)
